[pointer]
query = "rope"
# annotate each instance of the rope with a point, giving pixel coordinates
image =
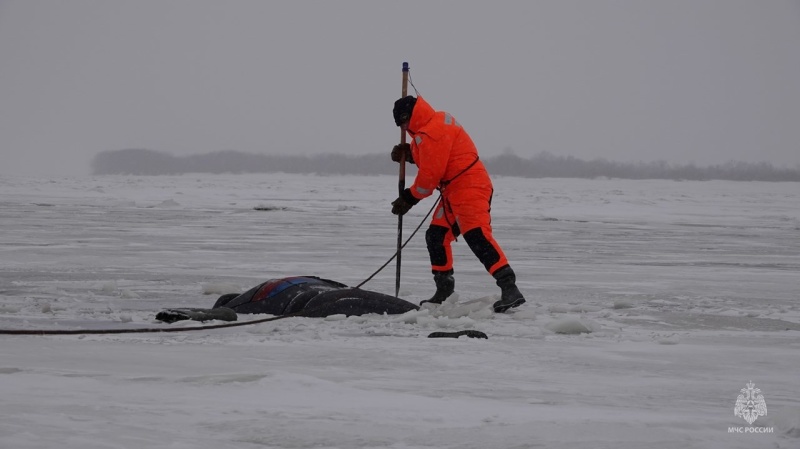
(403, 245)
(139, 330)
(412, 83)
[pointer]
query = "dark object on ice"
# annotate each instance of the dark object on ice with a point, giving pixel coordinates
(468, 333)
(315, 296)
(307, 296)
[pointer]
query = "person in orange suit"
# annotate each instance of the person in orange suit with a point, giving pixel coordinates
(447, 160)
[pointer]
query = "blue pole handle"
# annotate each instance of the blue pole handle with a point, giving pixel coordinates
(405, 67)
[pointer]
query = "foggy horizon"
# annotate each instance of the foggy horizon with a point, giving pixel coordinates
(143, 162)
(682, 82)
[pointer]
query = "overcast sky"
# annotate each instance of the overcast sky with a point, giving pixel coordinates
(680, 80)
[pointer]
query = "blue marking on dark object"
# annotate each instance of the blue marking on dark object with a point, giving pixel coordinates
(278, 285)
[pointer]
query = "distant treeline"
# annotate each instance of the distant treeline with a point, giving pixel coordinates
(543, 165)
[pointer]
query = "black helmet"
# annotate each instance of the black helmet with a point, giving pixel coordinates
(402, 109)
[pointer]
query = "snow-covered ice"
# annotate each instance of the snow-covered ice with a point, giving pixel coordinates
(651, 304)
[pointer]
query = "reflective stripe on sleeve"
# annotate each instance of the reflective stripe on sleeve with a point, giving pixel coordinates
(449, 120)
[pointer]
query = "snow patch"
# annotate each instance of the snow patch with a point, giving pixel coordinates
(127, 294)
(220, 288)
(558, 308)
(569, 325)
(168, 204)
(427, 318)
(522, 313)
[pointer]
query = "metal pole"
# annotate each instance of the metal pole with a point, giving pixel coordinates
(401, 185)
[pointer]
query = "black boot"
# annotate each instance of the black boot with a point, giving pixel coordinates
(445, 286)
(510, 295)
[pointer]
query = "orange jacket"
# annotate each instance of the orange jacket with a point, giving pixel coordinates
(442, 151)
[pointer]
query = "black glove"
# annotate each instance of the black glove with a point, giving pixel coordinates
(403, 203)
(399, 149)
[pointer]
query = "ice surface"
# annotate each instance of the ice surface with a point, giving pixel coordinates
(689, 291)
